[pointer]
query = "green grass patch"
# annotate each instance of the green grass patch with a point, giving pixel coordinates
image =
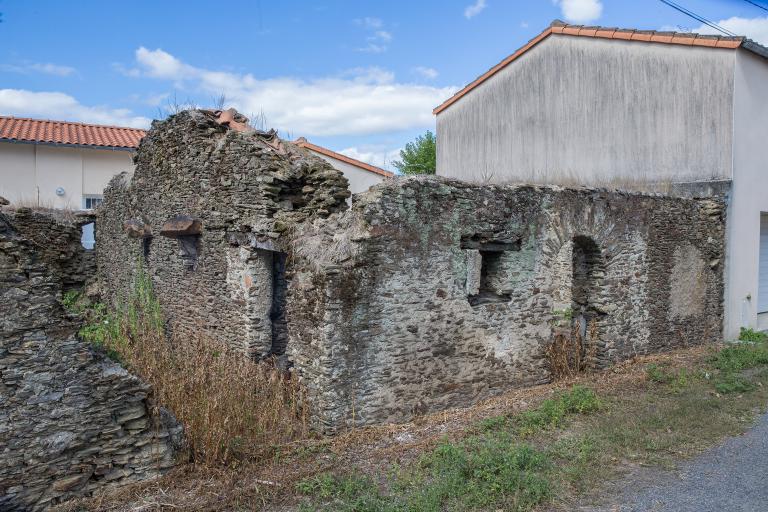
(549, 414)
(494, 469)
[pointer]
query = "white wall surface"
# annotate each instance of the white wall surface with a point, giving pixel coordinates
(593, 110)
(749, 193)
(29, 171)
(360, 180)
(17, 172)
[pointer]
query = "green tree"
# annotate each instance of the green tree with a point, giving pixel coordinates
(419, 156)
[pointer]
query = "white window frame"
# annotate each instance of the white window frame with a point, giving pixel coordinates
(86, 197)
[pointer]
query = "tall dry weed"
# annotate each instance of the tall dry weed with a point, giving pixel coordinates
(570, 354)
(232, 407)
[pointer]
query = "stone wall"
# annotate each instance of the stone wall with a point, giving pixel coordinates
(427, 294)
(432, 294)
(71, 420)
(245, 190)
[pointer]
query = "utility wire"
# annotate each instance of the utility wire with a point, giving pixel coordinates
(757, 5)
(695, 16)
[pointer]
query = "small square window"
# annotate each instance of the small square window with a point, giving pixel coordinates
(489, 264)
(91, 202)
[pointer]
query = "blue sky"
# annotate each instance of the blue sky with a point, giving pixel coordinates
(357, 77)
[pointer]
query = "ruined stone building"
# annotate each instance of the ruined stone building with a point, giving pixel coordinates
(71, 420)
(428, 293)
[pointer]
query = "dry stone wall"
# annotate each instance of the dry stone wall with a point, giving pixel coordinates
(246, 190)
(71, 420)
(432, 294)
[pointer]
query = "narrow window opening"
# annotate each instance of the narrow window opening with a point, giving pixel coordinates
(277, 310)
(189, 247)
(586, 301)
(587, 272)
(146, 243)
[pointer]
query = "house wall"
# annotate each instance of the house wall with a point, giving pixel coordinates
(392, 312)
(592, 111)
(27, 170)
(749, 193)
(360, 180)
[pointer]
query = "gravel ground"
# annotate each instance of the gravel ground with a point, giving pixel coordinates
(730, 477)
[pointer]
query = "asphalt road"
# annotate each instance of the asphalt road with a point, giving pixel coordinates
(733, 477)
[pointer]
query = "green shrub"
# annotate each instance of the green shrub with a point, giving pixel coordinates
(657, 374)
(70, 299)
(740, 356)
(347, 494)
(749, 334)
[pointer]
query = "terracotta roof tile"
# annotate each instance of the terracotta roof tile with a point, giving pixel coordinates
(65, 132)
(303, 143)
(626, 34)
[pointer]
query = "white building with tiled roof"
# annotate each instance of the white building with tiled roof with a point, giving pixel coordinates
(361, 175)
(60, 164)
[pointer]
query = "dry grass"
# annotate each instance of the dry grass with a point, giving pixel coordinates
(232, 407)
(569, 354)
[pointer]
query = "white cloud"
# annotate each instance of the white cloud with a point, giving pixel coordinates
(161, 64)
(360, 101)
(753, 28)
(371, 23)
(377, 39)
(580, 11)
(37, 67)
(382, 35)
(57, 105)
(378, 156)
(426, 72)
(474, 9)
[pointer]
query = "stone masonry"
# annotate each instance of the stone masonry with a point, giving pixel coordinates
(71, 420)
(206, 214)
(427, 294)
(432, 293)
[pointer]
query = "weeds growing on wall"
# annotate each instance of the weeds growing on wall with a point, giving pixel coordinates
(231, 407)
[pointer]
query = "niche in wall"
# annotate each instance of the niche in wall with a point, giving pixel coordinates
(489, 264)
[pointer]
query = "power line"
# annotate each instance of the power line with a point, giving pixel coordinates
(695, 16)
(757, 5)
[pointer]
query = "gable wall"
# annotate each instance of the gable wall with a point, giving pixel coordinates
(592, 111)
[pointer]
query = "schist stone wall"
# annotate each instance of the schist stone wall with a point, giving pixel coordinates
(71, 420)
(427, 294)
(431, 294)
(205, 214)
